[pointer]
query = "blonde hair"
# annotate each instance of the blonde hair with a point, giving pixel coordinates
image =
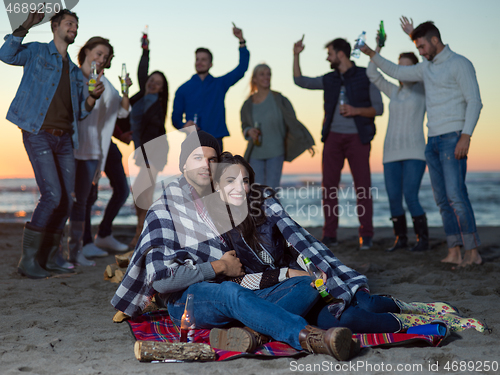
(257, 69)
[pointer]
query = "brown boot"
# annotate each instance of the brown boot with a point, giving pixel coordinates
(236, 339)
(336, 341)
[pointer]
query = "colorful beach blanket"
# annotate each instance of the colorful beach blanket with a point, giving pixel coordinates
(157, 326)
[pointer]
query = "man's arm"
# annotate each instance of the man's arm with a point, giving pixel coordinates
(467, 81)
(12, 51)
(413, 73)
(298, 78)
(237, 73)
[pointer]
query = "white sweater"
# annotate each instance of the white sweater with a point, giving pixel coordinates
(95, 131)
(405, 134)
(451, 90)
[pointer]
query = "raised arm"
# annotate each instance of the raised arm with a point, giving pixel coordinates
(142, 71)
(301, 81)
(237, 73)
(376, 78)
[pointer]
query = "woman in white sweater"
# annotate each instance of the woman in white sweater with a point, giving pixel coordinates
(95, 133)
(404, 158)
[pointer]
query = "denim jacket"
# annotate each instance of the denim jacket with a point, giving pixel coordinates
(42, 71)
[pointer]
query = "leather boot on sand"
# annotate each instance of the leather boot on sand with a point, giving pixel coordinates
(400, 231)
(422, 232)
(29, 264)
(49, 251)
(336, 342)
(237, 339)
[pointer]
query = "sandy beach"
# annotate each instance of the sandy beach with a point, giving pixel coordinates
(63, 325)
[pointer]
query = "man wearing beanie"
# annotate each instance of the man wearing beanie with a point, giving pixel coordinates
(180, 251)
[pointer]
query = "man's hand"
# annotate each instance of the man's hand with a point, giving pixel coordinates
(367, 50)
(126, 137)
(228, 265)
(462, 147)
(190, 123)
(298, 47)
(406, 25)
(34, 17)
(238, 33)
(377, 39)
(347, 110)
(253, 133)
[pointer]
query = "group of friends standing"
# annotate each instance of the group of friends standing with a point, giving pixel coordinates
(220, 220)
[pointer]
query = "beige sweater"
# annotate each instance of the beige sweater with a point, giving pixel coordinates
(452, 94)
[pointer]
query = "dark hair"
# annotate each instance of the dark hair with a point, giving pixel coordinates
(340, 44)
(425, 30)
(163, 95)
(58, 17)
(91, 44)
(205, 50)
(409, 55)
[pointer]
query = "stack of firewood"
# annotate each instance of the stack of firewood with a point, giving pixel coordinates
(115, 272)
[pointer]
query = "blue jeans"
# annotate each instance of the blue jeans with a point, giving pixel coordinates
(118, 181)
(85, 172)
(448, 184)
(365, 314)
(54, 166)
(276, 311)
(268, 171)
(404, 178)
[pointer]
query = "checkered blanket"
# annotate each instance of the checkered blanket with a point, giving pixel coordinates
(157, 326)
(178, 235)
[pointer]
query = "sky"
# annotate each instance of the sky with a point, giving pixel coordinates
(177, 28)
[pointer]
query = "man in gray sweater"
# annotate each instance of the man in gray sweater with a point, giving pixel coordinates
(453, 105)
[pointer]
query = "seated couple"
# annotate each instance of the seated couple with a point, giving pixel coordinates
(250, 274)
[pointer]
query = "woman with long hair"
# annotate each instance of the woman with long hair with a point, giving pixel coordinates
(275, 135)
(267, 240)
(147, 123)
(404, 152)
(94, 133)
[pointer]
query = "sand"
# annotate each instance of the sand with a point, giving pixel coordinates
(63, 325)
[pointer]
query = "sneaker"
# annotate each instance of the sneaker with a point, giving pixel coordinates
(336, 342)
(365, 243)
(330, 241)
(92, 251)
(110, 243)
(244, 340)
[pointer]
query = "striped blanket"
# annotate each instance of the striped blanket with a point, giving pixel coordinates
(157, 326)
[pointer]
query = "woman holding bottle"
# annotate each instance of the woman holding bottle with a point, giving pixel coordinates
(147, 123)
(404, 158)
(275, 135)
(94, 133)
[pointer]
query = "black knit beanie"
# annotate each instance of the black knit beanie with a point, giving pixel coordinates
(195, 140)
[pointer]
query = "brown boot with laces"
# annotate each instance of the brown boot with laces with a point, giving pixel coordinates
(237, 339)
(336, 342)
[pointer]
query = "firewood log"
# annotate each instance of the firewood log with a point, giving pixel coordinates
(147, 351)
(123, 259)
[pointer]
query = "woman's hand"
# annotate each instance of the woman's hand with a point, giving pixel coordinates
(253, 133)
(406, 25)
(296, 273)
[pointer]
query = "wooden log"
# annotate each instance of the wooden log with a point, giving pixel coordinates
(110, 269)
(147, 351)
(123, 259)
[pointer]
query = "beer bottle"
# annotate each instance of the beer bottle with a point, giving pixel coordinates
(188, 324)
(123, 80)
(381, 35)
(317, 279)
(92, 76)
(258, 141)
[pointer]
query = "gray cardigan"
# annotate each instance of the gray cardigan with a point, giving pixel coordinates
(297, 138)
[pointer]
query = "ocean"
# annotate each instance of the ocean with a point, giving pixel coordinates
(300, 195)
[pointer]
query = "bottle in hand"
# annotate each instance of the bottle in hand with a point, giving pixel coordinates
(123, 79)
(317, 279)
(144, 39)
(381, 35)
(360, 42)
(258, 141)
(188, 323)
(92, 76)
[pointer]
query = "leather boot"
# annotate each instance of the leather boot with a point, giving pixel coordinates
(75, 244)
(50, 248)
(236, 339)
(422, 233)
(336, 342)
(141, 217)
(400, 230)
(454, 322)
(29, 264)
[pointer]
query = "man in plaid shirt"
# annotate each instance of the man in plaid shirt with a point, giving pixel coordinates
(180, 252)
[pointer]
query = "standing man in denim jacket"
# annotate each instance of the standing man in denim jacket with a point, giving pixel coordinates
(201, 99)
(51, 99)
